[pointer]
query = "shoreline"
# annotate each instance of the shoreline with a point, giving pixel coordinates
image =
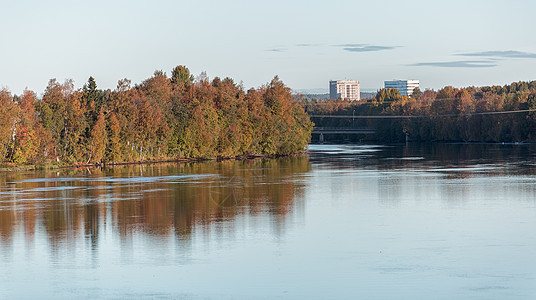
(424, 142)
(13, 167)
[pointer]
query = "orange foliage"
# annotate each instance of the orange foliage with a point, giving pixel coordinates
(158, 119)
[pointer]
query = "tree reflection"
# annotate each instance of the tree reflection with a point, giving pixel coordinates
(156, 200)
(429, 157)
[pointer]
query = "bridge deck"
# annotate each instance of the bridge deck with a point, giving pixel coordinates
(342, 130)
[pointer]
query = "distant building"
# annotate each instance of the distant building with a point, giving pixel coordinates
(405, 87)
(344, 89)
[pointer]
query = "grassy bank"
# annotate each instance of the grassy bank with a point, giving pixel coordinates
(13, 167)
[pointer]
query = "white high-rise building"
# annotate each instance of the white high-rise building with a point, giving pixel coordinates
(405, 87)
(344, 89)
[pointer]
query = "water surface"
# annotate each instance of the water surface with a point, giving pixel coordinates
(345, 222)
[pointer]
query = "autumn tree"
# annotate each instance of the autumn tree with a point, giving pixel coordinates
(97, 140)
(31, 142)
(160, 118)
(8, 121)
(52, 112)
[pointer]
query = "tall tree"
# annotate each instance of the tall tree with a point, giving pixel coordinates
(8, 122)
(97, 141)
(417, 93)
(31, 142)
(181, 77)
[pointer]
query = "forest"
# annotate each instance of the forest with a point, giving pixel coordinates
(491, 114)
(162, 118)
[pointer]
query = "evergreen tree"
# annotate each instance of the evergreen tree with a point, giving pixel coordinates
(181, 77)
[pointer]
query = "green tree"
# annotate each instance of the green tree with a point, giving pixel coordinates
(181, 77)
(417, 93)
(91, 98)
(97, 141)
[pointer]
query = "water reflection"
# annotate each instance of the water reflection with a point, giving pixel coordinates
(156, 200)
(453, 173)
(459, 160)
(348, 222)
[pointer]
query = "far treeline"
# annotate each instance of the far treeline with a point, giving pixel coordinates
(161, 118)
(473, 114)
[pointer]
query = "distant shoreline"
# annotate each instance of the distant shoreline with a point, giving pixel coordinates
(423, 142)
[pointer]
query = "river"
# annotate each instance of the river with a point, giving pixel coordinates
(430, 221)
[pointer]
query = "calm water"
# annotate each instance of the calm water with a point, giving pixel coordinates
(346, 222)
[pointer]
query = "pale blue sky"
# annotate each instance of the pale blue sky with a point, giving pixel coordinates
(306, 43)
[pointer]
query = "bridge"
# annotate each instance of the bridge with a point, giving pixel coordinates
(343, 130)
(346, 131)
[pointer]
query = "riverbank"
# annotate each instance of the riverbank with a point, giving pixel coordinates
(13, 167)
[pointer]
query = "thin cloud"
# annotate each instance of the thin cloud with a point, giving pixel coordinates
(364, 47)
(351, 45)
(501, 54)
(369, 48)
(277, 50)
(346, 47)
(307, 45)
(458, 64)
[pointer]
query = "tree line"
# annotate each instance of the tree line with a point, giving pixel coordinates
(473, 114)
(161, 118)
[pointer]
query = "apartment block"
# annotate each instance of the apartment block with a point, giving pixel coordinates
(344, 89)
(405, 87)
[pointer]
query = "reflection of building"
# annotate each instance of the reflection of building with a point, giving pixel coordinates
(405, 87)
(344, 89)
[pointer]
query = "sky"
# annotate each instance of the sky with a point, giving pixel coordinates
(305, 43)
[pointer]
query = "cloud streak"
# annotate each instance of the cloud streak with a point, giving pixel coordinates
(351, 45)
(345, 47)
(368, 48)
(501, 54)
(308, 45)
(458, 64)
(277, 50)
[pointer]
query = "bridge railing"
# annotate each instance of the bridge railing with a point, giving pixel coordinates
(318, 128)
